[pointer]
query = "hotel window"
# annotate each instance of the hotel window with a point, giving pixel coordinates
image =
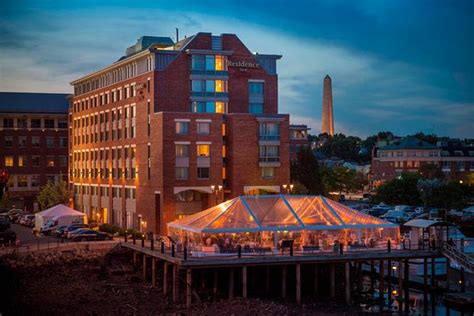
(35, 123)
(22, 181)
(268, 172)
(203, 128)
(256, 88)
(22, 141)
(62, 124)
(203, 172)
(220, 63)
(8, 161)
(50, 142)
(35, 180)
(48, 123)
(460, 165)
(182, 173)
(188, 196)
(7, 122)
(117, 192)
(63, 142)
(182, 151)
(269, 153)
(256, 108)
(198, 62)
(182, 128)
(21, 123)
(409, 164)
(204, 150)
(220, 107)
(35, 161)
(50, 161)
(35, 141)
(269, 131)
(63, 161)
(21, 161)
(8, 141)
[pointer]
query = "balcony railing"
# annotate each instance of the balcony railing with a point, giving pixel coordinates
(269, 137)
(269, 159)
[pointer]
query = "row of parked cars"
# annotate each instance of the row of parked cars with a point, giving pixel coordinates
(398, 213)
(80, 232)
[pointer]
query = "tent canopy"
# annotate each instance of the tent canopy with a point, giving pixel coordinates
(277, 213)
(54, 212)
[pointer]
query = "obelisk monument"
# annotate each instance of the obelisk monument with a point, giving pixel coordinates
(327, 119)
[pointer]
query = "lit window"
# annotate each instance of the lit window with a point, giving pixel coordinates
(268, 172)
(22, 181)
(8, 161)
(220, 62)
(50, 161)
(220, 107)
(182, 173)
(21, 161)
(220, 86)
(182, 128)
(203, 173)
(203, 150)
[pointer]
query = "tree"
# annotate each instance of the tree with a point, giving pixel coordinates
(452, 195)
(340, 179)
(52, 194)
(401, 190)
(343, 147)
(305, 170)
(426, 187)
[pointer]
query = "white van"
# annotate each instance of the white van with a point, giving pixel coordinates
(65, 220)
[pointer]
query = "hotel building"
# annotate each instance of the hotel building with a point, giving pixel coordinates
(173, 128)
(33, 143)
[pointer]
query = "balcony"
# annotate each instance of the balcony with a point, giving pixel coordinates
(269, 137)
(269, 161)
(209, 94)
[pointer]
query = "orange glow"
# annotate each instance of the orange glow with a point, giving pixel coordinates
(223, 151)
(219, 62)
(220, 87)
(220, 107)
(203, 150)
(223, 129)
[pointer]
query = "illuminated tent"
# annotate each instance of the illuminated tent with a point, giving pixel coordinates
(267, 213)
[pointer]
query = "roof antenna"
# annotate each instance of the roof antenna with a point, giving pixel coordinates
(177, 35)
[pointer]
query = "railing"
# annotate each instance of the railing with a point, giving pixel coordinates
(269, 159)
(59, 243)
(458, 256)
(268, 137)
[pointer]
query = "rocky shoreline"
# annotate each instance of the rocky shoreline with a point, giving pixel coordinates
(102, 282)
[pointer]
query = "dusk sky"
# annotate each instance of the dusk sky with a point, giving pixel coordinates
(403, 66)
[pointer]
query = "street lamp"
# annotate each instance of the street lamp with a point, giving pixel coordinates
(288, 188)
(216, 189)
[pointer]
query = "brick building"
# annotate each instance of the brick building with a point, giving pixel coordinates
(454, 158)
(173, 128)
(298, 139)
(33, 142)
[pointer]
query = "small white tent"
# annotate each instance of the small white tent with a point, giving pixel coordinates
(57, 212)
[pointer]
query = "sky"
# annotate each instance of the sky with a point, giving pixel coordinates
(396, 65)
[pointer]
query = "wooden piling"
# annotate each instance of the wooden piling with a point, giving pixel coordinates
(135, 254)
(165, 278)
(381, 282)
(407, 286)
(189, 295)
(153, 272)
(400, 285)
(433, 272)
(175, 282)
(333, 280)
(348, 282)
(389, 282)
(315, 280)
(244, 281)
(144, 267)
(298, 283)
(283, 282)
(372, 277)
(231, 283)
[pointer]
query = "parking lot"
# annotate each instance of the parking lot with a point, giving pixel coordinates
(26, 237)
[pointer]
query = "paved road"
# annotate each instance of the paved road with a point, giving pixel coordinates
(25, 235)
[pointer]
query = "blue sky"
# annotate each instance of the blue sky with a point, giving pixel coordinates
(397, 65)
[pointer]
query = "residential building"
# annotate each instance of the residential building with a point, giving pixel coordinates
(33, 142)
(173, 128)
(390, 159)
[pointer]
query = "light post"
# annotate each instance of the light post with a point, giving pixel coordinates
(216, 189)
(288, 188)
(140, 222)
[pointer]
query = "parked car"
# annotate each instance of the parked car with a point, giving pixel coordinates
(14, 214)
(27, 220)
(419, 210)
(379, 210)
(395, 216)
(89, 234)
(71, 228)
(7, 235)
(58, 232)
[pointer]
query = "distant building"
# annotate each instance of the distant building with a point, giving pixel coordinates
(327, 119)
(391, 159)
(33, 142)
(298, 139)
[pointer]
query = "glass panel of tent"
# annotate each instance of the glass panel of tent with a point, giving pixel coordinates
(255, 222)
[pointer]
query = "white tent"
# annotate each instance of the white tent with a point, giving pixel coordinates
(57, 212)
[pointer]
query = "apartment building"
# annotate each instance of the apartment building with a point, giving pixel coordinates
(33, 142)
(170, 129)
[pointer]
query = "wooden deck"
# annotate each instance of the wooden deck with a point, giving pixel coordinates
(278, 259)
